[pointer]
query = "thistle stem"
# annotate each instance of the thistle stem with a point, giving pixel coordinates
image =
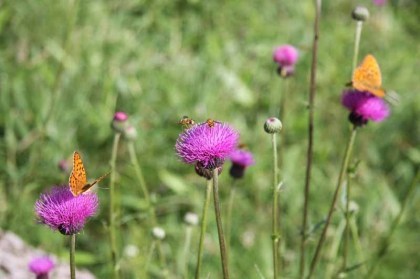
(112, 208)
(275, 235)
(343, 170)
(223, 254)
(187, 244)
(309, 154)
(229, 215)
(72, 257)
(359, 25)
(142, 181)
(347, 228)
(203, 228)
(384, 247)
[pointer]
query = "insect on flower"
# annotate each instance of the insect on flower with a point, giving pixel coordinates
(186, 122)
(77, 180)
(210, 122)
(367, 77)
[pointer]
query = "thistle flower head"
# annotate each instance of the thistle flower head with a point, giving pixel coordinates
(62, 211)
(241, 159)
(120, 122)
(379, 2)
(364, 106)
(207, 144)
(41, 265)
(286, 57)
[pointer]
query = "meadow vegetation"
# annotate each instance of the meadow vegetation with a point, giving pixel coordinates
(67, 66)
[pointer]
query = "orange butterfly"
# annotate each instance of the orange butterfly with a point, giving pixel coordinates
(367, 77)
(77, 180)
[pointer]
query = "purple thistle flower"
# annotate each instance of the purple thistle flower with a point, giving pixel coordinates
(241, 159)
(61, 211)
(41, 266)
(286, 57)
(364, 106)
(207, 144)
(379, 2)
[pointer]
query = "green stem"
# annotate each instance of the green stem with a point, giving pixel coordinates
(343, 170)
(185, 258)
(359, 25)
(223, 255)
(203, 228)
(275, 235)
(229, 215)
(146, 194)
(112, 208)
(384, 247)
(347, 229)
(309, 154)
(141, 179)
(150, 255)
(72, 257)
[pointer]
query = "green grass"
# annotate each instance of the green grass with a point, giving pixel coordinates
(66, 66)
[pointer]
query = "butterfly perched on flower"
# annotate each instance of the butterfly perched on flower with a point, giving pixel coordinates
(367, 77)
(77, 180)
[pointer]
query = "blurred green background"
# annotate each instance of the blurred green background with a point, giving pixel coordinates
(67, 66)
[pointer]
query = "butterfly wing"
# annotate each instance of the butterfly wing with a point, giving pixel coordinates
(77, 179)
(367, 77)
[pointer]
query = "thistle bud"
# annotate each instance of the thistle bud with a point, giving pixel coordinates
(273, 125)
(360, 13)
(191, 219)
(120, 122)
(158, 233)
(130, 133)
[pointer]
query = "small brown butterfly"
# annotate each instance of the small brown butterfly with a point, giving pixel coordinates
(77, 180)
(367, 77)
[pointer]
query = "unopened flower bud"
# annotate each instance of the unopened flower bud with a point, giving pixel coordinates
(191, 219)
(360, 13)
(64, 166)
(130, 133)
(158, 233)
(120, 122)
(273, 125)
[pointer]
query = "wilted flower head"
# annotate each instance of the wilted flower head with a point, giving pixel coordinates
(364, 106)
(286, 57)
(206, 172)
(208, 144)
(241, 159)
(62, 211)
(41, 266)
